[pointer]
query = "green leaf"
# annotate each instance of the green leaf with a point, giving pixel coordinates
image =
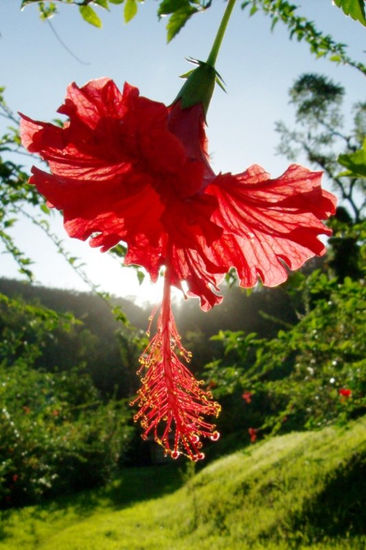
(89, 15)
(178, 19)
(170, 6)
(116, 1)
(353, 8)
(130, 10)
(45, 209)
(355, 162)
(102, 3)
(26, 3)
(140, 276)
(337, 58)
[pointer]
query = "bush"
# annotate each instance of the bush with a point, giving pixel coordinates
(309, 376)
(55, 434)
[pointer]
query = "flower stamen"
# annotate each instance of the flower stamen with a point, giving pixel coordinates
(172, 403)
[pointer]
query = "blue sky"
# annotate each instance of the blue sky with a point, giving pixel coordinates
(258, 67)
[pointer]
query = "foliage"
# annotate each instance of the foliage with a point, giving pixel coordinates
(353, 8)
(52, 419)
(55, 434)
(301, 490)
(26, 330)
(296, 380)
(15, 191)
(320, 134)
(354, 162)
(107, 349)
(180, 11)
(51, 423)
(321, 45)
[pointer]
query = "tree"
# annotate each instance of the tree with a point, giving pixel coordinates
(320, 134)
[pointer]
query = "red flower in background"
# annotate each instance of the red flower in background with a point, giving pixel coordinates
(125, 168)
(247, 396)
(345, 392)
(252, 434)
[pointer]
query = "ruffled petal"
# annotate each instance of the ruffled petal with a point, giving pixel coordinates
(201, 275)
(107, 132)
(128, 212)
(267, 222)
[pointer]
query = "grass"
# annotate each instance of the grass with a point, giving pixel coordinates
(298, 491)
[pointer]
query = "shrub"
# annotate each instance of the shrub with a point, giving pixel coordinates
(55, 434)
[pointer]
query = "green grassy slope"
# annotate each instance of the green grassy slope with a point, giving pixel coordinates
(301, 490)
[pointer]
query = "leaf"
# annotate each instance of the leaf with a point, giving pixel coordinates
(45, 209)
(26, 3)
(140, 276)
(337, 58)
(130, 10)
(355, 162)
(353, 8)
(116, 1)
(170, 6)
(102, 3)
(89, 15)
(178, 19)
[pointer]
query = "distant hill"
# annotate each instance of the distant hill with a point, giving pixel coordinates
(263, 311)
(90, 308)
(101, 344)
(239, 311)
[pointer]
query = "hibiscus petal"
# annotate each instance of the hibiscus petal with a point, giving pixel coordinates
(83, 156)
(129, 211)
(98, 99)
(201, 275)
(266, 222)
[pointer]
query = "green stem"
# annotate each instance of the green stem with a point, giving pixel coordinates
(211, 60)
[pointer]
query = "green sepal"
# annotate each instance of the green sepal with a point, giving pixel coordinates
(199, 85)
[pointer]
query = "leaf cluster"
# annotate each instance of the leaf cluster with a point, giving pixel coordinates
(56, 435)
(301, 28)
(180, 11)
(52, 421)
(296, 379)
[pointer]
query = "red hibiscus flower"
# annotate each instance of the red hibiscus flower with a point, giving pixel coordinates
(247, 396)
(345, 392)
(125, 168)
(252, 434)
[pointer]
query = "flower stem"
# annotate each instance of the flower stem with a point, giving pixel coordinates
(211, 60)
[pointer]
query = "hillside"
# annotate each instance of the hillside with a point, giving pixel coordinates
(301, 490)
(90, 308)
